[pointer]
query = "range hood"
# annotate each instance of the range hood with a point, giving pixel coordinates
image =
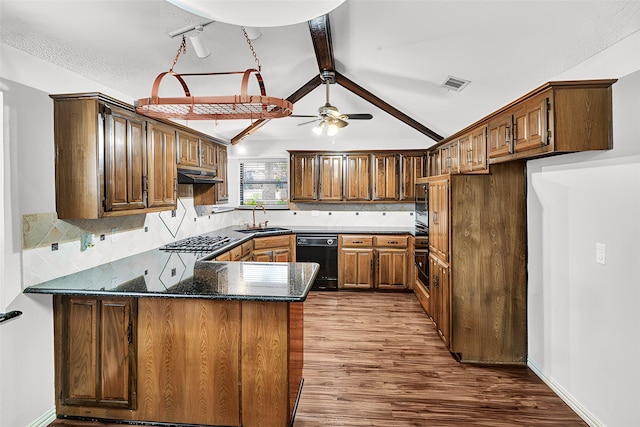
(197, 176)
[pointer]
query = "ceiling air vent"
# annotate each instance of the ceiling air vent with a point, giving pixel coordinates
(455, 83)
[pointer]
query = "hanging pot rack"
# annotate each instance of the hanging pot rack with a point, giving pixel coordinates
(188, 107)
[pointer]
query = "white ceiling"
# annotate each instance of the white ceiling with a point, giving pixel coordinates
(400, 51)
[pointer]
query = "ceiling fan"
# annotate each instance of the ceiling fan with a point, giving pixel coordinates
(328, 116)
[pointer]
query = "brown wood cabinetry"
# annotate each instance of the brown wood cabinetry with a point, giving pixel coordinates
(208, 159)
(450, 158)
(188, 150)
(473, 151)
(373, 262)
(358, 177)
(108, 160)
(304, 177)
(478, 263)
(95, 351)
(500, 137)
(355, 261)
(386, 177)
(330, 188)
(274, 248)
(222, 189)
(200, 361)
(355, 177)
(162, 172)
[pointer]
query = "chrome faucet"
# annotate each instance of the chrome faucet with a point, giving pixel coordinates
(254, 213)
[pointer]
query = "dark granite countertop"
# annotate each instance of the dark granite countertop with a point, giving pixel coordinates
(158, 273)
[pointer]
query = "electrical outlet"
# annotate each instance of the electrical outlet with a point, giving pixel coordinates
(114, 235)
(601, 253)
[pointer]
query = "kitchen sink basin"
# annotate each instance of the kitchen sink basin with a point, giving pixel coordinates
(275, 230)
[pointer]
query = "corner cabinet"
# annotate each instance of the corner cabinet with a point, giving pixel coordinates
(110, 161)
(274, 248)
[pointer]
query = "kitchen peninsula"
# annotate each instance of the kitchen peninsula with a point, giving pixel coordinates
(165, 337)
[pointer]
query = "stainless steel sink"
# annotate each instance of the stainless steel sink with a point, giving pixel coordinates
(274, 230)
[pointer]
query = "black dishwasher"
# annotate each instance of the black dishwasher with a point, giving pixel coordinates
(323, 249)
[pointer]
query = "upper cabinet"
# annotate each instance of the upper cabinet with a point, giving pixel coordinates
(355, 177)
(222, 189)
(110, 161)
(558, 117)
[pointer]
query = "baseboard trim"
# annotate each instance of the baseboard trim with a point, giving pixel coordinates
(45, 419)
(582, 412)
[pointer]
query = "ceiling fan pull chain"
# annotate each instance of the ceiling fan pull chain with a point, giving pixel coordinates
(181, 49)
(253, 52)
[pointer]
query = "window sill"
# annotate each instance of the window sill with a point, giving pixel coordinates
(267, 207)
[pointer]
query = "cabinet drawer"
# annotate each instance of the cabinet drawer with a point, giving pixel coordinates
(247, 247)
(271, 242)
(356, 240)
(236, 253)
(422, 243)
(391, 241)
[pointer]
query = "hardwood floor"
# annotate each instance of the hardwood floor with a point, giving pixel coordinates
(375, 359)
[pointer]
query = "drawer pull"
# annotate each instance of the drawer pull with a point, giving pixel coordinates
(357, 241)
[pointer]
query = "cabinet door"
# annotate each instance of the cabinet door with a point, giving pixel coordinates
(450, 158)
(356, 268)
(330, 178)
(264, 255)
(439, 218)
(385, 177)
(478, 158)
(358, 177)
(162, 173)
(391, 268)
(124, 158)
(304, 176)
(500, 136)
(530, 124)
(441, 298)
(98, 351)
(412, 168)
(434, 163)
(188, 150)
(222, 189)
(282, 255)
(466, 153)
(208, 155)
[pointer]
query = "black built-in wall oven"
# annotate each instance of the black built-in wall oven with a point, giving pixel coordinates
(422, 233)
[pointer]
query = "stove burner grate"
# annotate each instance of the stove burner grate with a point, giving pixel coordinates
(198, 244)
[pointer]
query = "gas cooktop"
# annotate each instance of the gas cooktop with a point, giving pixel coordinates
(198, 244)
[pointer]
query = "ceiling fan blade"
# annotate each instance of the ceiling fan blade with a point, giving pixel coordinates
(303, 115)
(310, 121)
(364, 116)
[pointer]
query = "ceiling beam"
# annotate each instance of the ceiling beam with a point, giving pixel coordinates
(293, 98)
(321, 37)
(368, 96)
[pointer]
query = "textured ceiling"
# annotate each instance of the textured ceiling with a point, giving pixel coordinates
(400, 51)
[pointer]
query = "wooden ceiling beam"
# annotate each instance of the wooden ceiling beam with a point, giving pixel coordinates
(293, 98)
(368, 96)
(321, 37)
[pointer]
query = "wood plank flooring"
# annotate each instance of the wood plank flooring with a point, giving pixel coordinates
(375, 359)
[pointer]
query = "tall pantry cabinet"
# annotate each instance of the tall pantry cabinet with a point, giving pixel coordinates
(478, 263)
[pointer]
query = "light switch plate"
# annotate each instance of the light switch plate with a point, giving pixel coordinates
(601, 253)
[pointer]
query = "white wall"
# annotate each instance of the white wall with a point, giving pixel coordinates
(584, 317)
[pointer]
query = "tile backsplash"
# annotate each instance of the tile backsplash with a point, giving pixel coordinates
(119, 237)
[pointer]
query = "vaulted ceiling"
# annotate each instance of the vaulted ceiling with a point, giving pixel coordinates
(395, 51)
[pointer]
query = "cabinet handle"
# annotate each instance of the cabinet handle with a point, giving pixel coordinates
(357, 242)
(508, 138)
(392, 242)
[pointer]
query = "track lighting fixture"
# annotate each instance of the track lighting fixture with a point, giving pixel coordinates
(198, 43)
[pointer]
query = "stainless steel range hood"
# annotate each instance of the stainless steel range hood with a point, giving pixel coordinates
(197, 176)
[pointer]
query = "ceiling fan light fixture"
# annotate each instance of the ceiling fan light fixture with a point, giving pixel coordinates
(332, 129)
(317, 129)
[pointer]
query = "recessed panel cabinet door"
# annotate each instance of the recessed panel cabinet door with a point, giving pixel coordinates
(222, 189)
(392, 268)
(98, 354)
(303, 175)
(125, 138)
(162, 172)
(188, 150)
(385, 177)
(530, 121)
(330, 178)
(357, 268)
(358, 177)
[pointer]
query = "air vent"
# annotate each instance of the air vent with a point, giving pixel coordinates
(455, 83)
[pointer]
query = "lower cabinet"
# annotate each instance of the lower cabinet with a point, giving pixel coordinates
(373, 262)
(96, 351)
(440, 300)
(274, 248)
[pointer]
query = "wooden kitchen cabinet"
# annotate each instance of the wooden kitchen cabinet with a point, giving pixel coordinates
(434, 163)
(304, 177)
(355, 261)
(386, 177)
(208, 160)
(531, 123)
(500, 135)
(162, 172)
(440, 290)
(188, 150)
(358, 177)
(450, 158)
(392, 262)
(274, 248)
(125, 169)
(330, 188)
(412, 167)
(95, 351)
(108, 163)
(439, 218)
(473, 151)
(222, 188)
